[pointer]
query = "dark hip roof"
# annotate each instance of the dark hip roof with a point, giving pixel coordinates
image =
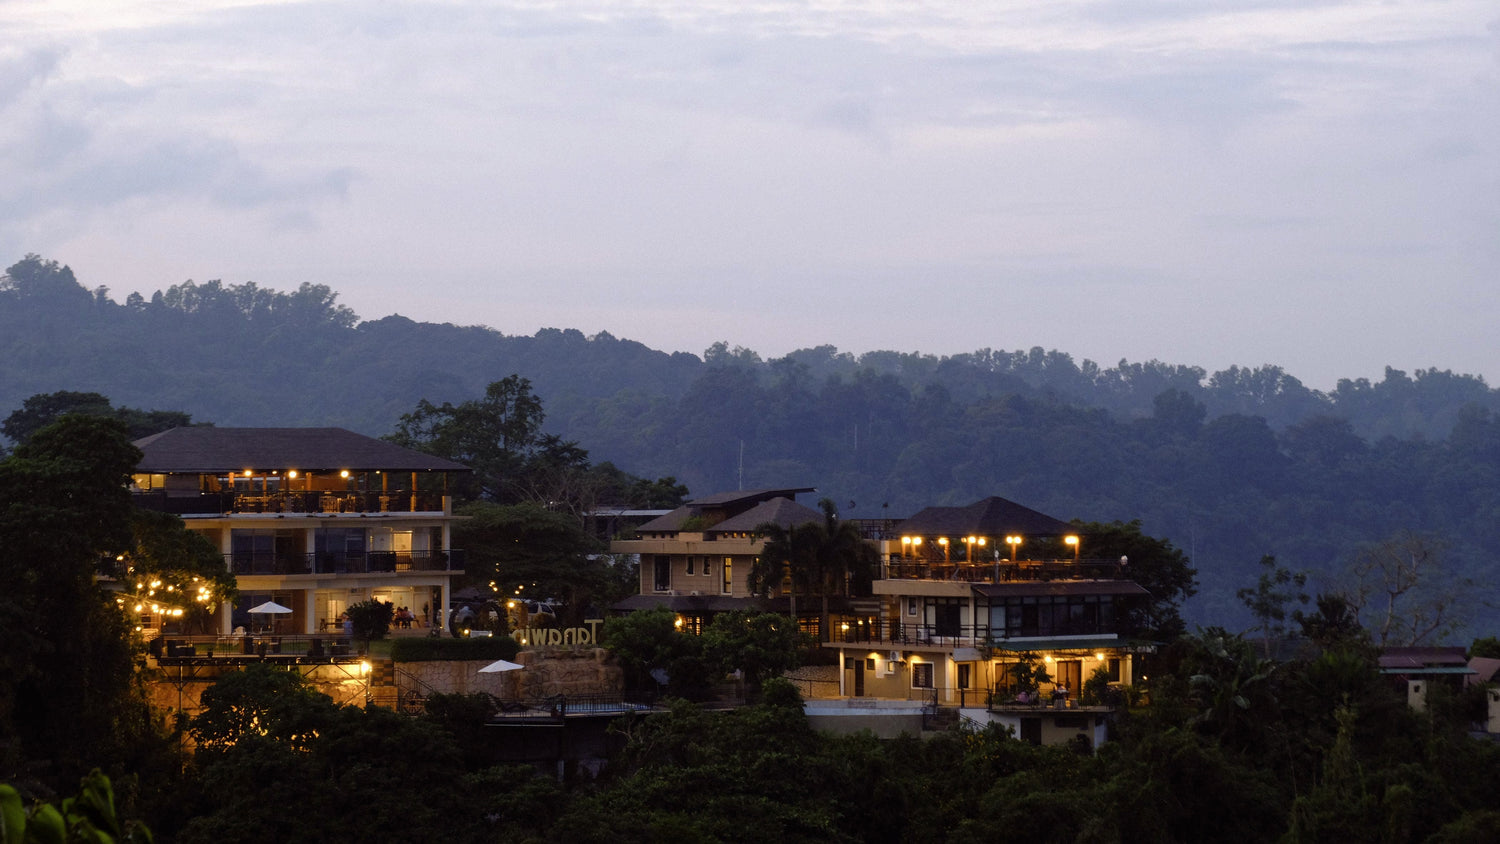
(779, 511)
(727, 507)
(747, 497)
(991, 516)
(203, 450)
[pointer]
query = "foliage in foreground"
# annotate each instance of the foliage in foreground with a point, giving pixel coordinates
(89, 818)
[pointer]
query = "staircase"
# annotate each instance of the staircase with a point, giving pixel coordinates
(939, 719)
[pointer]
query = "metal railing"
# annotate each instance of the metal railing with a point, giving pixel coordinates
(255, 645)
(560, 706)
(311, 503)
(346, 562)
(915, 568)
(883, 631)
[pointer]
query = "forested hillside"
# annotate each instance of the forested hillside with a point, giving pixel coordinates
(1230, 466)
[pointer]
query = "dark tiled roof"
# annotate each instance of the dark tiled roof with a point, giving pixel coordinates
(1422, 657)
(668, 523)
(204, 450)
(988, 517)
(726, 500)
(730, 504)
(781, 511)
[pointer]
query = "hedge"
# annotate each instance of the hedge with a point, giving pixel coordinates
(453, 650)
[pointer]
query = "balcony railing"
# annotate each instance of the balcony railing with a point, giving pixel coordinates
(309, 503)
(367, 562)
(884, 632)
(912, 568)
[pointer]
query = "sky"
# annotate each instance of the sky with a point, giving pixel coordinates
(1311, 185)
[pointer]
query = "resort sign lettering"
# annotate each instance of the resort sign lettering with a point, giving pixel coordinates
(559, 636)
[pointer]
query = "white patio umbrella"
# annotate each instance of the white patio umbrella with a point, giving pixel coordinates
(498, 666)
(270, 607)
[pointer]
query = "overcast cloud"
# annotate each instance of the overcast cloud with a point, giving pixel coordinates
(1314, 185)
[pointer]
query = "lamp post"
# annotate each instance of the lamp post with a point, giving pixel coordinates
(1014, 542)
(1072, 542)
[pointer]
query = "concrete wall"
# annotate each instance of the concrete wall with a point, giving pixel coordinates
(886, 719)
(1057, 726)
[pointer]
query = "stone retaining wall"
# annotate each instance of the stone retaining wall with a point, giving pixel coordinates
(545, 673)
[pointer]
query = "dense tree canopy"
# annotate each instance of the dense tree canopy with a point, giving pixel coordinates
(67, 684)
(1230, 465)
(39, 411)
(529, 551)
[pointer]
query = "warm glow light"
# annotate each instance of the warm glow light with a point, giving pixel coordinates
(247, 473)
(364, 668)
(1047, 658)
(1099, 657)
(1070, 540)
(344, 473)
(291, 473)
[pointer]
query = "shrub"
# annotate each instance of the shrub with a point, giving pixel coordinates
(453, 650)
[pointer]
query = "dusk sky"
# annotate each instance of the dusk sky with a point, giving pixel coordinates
(1309, 184)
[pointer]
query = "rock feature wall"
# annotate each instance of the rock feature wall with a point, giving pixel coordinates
(545, 673)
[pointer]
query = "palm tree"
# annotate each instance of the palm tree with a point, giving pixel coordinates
(788, 552)
(821, 558)
(843, 556)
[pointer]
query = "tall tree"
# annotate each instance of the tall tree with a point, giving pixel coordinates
(820, 558)
(67, 692)
(1153, 563)
(496, 435)
(1405, 592)
(43, 409)
(788, 555)
(171, 565)
(1275, 590)
(845, 561)
(544, 553)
